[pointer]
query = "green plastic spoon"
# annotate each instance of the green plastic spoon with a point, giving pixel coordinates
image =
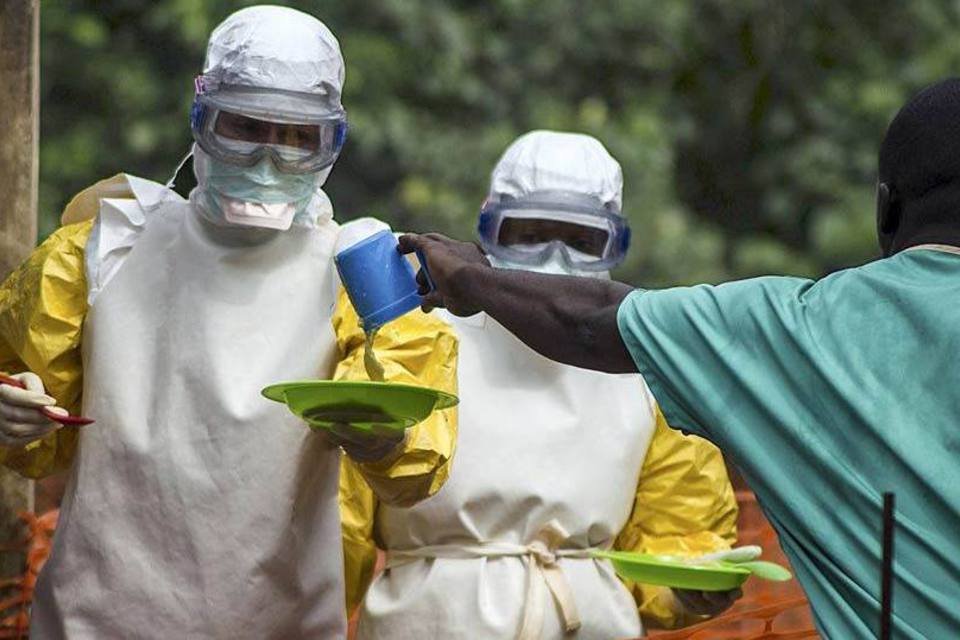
(765, 570)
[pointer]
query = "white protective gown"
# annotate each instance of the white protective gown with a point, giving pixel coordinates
(545, 447)
(206, 510)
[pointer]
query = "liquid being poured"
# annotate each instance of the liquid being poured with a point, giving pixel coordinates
(370, 362)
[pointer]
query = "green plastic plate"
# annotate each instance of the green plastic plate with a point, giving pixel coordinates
(650, 569)
(364, 405)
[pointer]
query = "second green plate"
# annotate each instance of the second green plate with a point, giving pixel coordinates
(650, 569)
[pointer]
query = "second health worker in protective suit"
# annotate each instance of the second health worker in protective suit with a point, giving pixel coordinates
(195, 507)
(553, 461)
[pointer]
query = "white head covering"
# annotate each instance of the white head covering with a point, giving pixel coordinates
(274, 48)
(557, 161)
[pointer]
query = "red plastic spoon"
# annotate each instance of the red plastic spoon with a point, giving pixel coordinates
(67, 421)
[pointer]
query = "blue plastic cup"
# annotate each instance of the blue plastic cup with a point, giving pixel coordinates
(380, 282)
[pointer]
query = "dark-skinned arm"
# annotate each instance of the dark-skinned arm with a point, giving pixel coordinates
(564, 318)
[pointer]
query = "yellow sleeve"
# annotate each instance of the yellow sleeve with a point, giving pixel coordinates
(42, 307)
(416, 349)
(358, 508)
(685, 506)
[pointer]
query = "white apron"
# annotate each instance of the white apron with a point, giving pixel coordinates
(548, 460)
(196, 508)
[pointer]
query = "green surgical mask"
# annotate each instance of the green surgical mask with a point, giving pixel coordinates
(257, 196)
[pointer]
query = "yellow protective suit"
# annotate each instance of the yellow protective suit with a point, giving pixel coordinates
(43, 304)
(684, 506)
(414, 349)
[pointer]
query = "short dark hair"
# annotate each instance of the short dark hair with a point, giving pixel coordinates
(921, 150)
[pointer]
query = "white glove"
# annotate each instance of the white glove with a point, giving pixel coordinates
(713, 603)
(20, 421)
(365, 446)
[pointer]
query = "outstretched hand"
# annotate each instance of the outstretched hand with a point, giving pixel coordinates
(448, 262)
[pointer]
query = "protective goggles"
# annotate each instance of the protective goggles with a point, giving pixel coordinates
(589, 235)
(243, 125)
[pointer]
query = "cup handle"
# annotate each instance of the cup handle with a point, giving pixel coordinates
(426, 272)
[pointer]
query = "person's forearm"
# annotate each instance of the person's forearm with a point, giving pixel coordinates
(567, 319)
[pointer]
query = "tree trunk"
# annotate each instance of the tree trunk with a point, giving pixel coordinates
(19, 104)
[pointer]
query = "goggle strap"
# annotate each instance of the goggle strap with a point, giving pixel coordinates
(198, 115)
(341, 135)
(485, 224)
(625, 239)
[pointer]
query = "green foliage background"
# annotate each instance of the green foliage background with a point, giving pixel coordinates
(747, 129)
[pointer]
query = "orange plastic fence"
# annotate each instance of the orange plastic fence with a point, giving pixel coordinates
(751, 623)
(17, 593)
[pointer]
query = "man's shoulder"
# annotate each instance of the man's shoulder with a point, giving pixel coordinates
(879, 273)
(70, 237)
(122, 187)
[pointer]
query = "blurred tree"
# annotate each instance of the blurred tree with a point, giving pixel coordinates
(747, 131)
(781, 107)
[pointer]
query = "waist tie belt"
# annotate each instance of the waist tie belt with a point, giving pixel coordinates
(542, 570)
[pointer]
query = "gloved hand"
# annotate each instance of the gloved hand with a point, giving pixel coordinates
(365, 446)
(712, 603)
(707, 603)
(20, 422)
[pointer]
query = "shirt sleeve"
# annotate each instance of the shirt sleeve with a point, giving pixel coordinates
(43, 304)
(685, 506)
(418, 349)
(717, 357)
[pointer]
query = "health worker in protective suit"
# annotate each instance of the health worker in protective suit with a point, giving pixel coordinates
(195, 507)
(553, 461)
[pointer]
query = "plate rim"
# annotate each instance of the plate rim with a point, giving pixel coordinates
(444, 399)
(651, 559)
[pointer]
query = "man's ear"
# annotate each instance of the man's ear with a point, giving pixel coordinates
(888, 210)
(888, 217)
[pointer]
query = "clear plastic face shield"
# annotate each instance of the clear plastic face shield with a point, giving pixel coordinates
(243, 125)
(588, 235)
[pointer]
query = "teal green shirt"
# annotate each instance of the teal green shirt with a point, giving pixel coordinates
(827, 394)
